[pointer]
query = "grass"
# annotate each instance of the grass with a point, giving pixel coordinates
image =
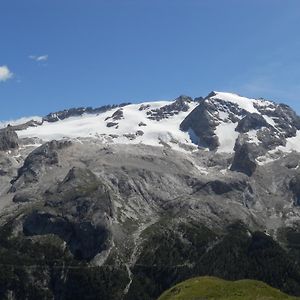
(212, 288)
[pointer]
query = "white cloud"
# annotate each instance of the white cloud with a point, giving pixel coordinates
(5, 73)
(39, 58)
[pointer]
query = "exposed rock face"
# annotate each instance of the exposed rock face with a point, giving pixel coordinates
(201, 125)
(295, 188)
(111, 124)
(84, 239)
(269, 123)
(73, 112)
(181, 104)
(36, 162)
(8, 139)
(286, 120)
(86, 206)
(221, 187)
(251, 122)
(111, 216)
(24, 197)
(244, 157)
(80, 194)
(116, 116)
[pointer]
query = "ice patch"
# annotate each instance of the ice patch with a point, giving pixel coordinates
(252, 134)
(227, 136)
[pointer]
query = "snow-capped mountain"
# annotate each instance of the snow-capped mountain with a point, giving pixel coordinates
(124, 200)
(216, 122)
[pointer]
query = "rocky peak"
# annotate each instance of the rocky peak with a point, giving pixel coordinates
(218, 115)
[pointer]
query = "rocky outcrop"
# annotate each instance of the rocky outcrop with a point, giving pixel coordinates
(31, 123)
(84, 239)
(74, 112)
(111, 124)
(117, 115)
(285, 119)
(252, 121)
(201, 125)
(8, 139)
(36, 161)
(294, 185)
(244, 159)
(181, 104)
(80, 195)
(86, 206)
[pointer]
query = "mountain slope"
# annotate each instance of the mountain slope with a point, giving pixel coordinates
(214, 288)
(132, 199)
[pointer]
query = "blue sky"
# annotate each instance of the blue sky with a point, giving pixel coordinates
(56, 54)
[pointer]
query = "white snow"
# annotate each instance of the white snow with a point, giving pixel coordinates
(242, 102)
(92, 125)
(292, 144)
(156, 133)
(223, 115)
(227, 136)
(252, 134)
(270, 120)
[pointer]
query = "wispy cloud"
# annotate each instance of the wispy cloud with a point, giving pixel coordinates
(39, 58)
(5, 73)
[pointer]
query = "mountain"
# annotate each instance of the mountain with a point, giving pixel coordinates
(182, 123)
(123, 202)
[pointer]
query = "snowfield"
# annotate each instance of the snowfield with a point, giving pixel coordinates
(135, 125)
(91, 125)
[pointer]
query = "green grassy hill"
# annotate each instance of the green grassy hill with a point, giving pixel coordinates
(212, 288)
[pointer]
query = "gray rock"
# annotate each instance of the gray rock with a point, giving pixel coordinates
(252, 121)
(24, 197)
(8, 139)
(201, 124)
(139, 133)
(73, 112)
(295, 188)
(84, 239)
(244, 157)
(37, 160)
(117, 115)
(80, 194)
(180, 104)
(112, 124)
